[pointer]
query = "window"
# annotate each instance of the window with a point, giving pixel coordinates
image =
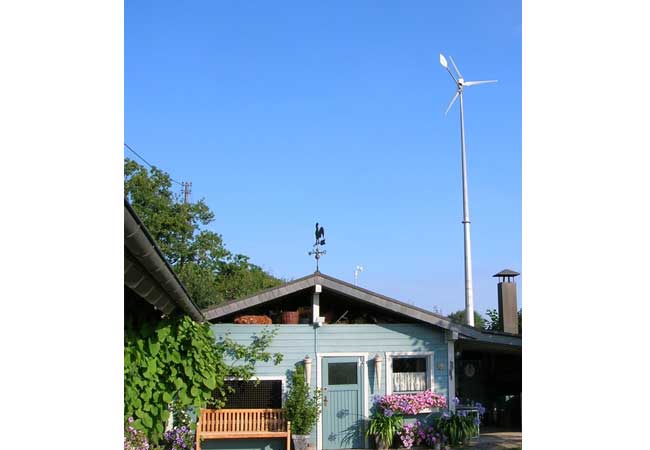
(342, 373)
(254, 394)
(410, 373)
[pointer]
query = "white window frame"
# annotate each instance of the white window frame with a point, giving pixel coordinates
(281, 378)
(389, 369)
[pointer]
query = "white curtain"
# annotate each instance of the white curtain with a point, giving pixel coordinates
(409, 381)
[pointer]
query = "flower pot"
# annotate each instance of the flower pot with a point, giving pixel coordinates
(290, 317)
(300, 441)
(381, 445)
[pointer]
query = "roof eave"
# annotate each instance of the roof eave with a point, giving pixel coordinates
(144, 259)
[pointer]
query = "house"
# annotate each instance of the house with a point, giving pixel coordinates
(356, 344)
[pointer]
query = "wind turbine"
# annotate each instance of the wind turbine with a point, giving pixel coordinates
(461, 84)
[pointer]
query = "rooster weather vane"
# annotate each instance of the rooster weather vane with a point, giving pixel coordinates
(320, 240)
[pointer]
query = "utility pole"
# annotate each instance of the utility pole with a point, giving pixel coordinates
(187, 190)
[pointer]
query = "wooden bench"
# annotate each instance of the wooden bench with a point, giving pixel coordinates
(242, 423)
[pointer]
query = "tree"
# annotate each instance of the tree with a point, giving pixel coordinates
(492, 323)
(459, 317)
(210, 273)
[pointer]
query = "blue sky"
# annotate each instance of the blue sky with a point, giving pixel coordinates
(282, 114)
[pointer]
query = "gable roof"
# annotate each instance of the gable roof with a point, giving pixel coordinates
(362, 295)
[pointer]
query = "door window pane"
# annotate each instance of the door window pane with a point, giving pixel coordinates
(342, 373)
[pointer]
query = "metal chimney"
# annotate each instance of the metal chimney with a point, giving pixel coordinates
(507, 292)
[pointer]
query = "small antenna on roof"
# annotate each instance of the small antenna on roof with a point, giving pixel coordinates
(320, 240)
(357, 270)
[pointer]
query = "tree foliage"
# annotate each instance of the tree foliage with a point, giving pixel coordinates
(210, 272)
(178, 361)
(492, 322)
(459, 317)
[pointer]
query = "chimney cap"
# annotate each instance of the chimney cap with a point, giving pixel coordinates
(506, 273)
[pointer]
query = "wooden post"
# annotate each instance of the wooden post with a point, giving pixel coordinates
(288, 436)
(198, 431)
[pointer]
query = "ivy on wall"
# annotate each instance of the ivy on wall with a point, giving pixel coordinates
(178, 360)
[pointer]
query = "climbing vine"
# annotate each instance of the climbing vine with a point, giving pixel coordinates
(176, 360)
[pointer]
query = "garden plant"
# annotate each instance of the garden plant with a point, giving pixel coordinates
(301, 407)
(458, 427)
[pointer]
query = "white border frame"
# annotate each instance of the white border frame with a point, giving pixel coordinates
(389, 369)
(319, 384)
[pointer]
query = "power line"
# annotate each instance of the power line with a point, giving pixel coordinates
(151, 166)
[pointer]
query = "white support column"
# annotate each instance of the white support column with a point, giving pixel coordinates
(452, 336)
(315, 305)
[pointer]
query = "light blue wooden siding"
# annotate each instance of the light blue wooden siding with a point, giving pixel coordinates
(294, 342)
(297, 341)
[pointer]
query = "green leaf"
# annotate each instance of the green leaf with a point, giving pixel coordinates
(146, 420)
(210, 382)
(154, 348)
(184, 398)
(162, 333)
(166, 396)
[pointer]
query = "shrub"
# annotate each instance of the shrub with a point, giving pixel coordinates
(301, 407)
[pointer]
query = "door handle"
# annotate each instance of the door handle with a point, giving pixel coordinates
(325, 401)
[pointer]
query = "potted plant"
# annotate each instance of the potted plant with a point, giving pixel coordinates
(301, 408)
(384, 425)
(458, 427)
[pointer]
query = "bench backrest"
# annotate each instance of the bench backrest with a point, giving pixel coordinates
(243, 420)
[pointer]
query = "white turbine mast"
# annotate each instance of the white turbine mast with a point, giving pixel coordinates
(461, 84)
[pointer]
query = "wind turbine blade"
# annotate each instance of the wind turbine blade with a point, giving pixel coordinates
(451, 103)
(474, 83)
(455, 68)
(443, 61)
